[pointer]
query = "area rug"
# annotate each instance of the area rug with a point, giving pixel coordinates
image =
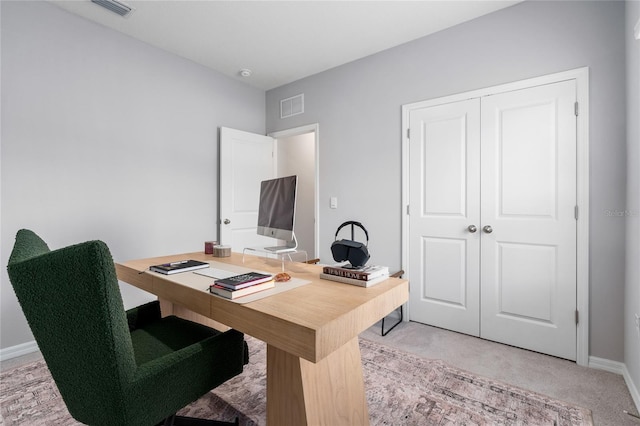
(402, 389)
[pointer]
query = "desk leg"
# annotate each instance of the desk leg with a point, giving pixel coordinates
(329, 392)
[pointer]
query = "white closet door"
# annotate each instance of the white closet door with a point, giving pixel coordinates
(528, 278)
(444, 203)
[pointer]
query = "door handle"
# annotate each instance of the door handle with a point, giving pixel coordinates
(487, 229)
(472, 228)
(227, 221)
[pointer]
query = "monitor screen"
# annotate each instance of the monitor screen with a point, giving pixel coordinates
(277, 208)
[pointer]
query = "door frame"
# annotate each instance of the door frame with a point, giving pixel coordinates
(581, 77)
(296, 131)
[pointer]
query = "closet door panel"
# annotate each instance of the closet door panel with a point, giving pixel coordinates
(444, 203)
(528, 269)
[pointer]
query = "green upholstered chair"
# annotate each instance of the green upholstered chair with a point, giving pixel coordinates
(114, 367)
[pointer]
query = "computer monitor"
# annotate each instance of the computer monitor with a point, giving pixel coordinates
(277, 211)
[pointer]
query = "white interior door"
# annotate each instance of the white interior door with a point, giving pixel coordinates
(528, 278)
(445, 203)
(246, 159)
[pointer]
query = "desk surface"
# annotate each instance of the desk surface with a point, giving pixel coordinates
(311, 321)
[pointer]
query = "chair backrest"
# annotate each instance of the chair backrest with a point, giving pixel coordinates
(73, 305)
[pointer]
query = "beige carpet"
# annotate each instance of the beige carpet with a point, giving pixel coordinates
(402, 389)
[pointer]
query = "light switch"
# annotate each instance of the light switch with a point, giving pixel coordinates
(334, 203)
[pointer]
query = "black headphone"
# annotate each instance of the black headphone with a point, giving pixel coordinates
(353, 251)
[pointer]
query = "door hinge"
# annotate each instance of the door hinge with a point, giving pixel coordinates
(575, 108)
(577, 317)
(575, 212)
(407, 209)
(408, 133)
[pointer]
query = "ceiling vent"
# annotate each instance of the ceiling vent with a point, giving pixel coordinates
(292, 106)
(114, 6)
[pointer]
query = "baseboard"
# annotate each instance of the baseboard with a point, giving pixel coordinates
(18, 350)
(618, 368)
(633, 388)
(607, 365)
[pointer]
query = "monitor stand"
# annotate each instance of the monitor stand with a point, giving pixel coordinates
(283, 254)
(289, 247)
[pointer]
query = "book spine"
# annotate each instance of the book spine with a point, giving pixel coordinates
(339, 272)
(233, 294)
(220, 291)
(360, 283)
(345, 280)
(235, 286)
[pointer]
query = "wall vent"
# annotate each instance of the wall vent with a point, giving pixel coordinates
(292, 106)
(114, 6)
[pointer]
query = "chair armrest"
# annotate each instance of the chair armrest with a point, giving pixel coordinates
(142, 315)
(222, 345)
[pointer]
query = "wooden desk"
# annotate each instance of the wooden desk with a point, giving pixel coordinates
(314, 371)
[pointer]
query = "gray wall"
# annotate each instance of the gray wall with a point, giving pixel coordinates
(105, 137)
(632, 296)
(358, 107)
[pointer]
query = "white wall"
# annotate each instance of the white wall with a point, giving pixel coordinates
(105, 137)
(632, 292)
(358, 106)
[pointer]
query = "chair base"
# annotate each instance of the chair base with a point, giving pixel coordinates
(191, 421)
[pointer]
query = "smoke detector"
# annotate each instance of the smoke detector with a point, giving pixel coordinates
(245, 72)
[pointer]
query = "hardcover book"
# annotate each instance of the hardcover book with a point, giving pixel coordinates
(234, 294)
(248, 279)
(354, 281)
(365, 273)
(180, 266)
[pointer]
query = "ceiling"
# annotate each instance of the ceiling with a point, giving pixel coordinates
(281, 41)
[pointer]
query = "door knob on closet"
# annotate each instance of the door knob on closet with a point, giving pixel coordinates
(487, 229)
(227, 221)
(472, 228)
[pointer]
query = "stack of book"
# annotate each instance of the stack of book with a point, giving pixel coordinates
(242, 285)
(365, 276)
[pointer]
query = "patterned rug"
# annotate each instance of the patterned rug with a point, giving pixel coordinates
(402, 389)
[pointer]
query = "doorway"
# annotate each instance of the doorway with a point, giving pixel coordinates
(297, 154)
(248, 158)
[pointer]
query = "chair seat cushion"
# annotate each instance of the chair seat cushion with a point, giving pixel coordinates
(165, 336)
